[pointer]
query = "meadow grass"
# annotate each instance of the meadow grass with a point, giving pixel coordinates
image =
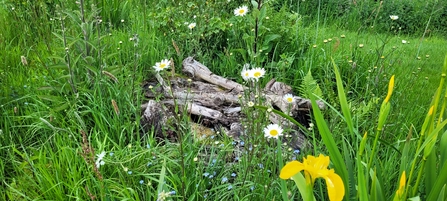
(71, 88)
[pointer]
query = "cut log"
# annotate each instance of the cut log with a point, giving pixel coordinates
(198, 71)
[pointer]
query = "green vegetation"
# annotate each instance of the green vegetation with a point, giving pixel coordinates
(71, 75)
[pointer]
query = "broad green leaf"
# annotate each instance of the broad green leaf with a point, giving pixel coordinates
(442, 196)
(269, 38)
(263, 14)
(331, 146)
(443, 148)
(376, 186)
(439, 183)
(254, 3)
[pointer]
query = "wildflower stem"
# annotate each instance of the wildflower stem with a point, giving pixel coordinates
(67, 54)
(84, 31)
(413, 165)
(376, 140)
(418, 179)
(425, 31)
(281, 164)
(256, 29)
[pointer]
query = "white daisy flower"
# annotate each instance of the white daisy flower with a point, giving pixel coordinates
(192, 25)
(159, 66)
(289, 98)
(246, 74)
(404, 41)
(394, 17)
(258, 73)
(273, 131)
(241, 11)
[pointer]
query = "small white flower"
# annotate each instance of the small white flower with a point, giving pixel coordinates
(404, 41)
(99, 160)
(258, 73)
(311, 126)
(241, 11)
(250, 104)
(394, 17)
(289, 98)
(159, 66)
(192, 25)
(163, 195)
(273, 131)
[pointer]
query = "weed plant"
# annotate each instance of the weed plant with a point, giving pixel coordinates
(71, 86)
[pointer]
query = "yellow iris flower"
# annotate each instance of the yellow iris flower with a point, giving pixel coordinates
(401, 189)
(390, 89)
(316, 167)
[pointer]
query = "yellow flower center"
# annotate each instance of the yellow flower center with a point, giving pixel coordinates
(241, 11)
(273, 132)
(162, 65)
(247, 74)
(257, 74)
(289, 99)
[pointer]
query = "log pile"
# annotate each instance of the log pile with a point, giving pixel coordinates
(215, 102)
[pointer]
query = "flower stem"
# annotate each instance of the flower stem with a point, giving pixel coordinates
(281, 164)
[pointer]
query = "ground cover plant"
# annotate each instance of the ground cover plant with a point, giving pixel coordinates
(73, 74)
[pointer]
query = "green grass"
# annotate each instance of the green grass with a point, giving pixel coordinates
(71, 77)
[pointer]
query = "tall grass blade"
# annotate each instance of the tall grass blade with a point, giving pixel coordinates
(161, 180)
(343, 101)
